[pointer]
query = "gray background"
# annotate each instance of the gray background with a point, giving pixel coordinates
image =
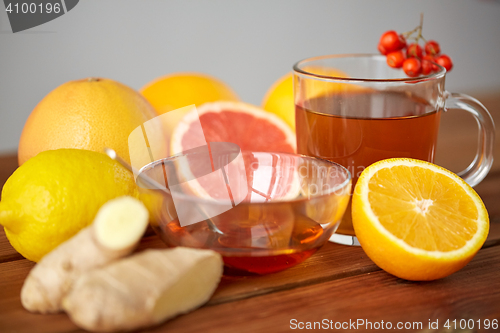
(246, 44)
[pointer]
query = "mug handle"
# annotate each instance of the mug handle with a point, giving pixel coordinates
(483, 160)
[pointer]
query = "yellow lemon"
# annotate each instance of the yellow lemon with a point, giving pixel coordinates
(55, 194)
(416, 220)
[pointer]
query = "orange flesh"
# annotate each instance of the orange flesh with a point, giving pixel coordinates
(427, 210)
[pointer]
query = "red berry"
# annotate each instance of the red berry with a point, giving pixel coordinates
(428, 57)
(391, 41)
(395, 59)
(432, 48)
(402, 42)
(427, 67)
(382, 49)
(412, 67)
(445, 61)
(433, 62)
(414, 51)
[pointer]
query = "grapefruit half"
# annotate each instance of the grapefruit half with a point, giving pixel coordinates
(248, 126)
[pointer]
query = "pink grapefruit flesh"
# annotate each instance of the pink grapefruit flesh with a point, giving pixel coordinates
(250, 127)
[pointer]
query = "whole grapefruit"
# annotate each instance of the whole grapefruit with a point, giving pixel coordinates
(88, 114)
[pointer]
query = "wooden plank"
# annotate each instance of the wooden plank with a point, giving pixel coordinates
(13, 317)
(472, 293)
(489, 191)
(494, 234)
(7, 252)
(332, 263)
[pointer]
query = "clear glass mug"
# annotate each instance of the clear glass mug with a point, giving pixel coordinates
(355, 110)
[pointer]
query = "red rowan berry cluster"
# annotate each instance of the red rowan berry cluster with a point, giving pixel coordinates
(411, 56)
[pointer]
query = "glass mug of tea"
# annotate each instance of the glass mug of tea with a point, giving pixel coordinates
(355, 110)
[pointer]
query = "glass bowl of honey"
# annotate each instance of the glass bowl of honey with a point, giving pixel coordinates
(262, 211)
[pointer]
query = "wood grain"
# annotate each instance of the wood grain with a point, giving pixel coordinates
(489, 191)
(13, 317)
(319, 279)
(371, 296)
(7, 252)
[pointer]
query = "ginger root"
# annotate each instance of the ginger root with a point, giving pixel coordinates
(114, 233)
(144, 289)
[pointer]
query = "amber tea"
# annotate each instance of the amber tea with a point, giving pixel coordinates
(359, 128)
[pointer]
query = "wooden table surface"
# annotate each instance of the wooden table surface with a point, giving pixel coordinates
(338, 283)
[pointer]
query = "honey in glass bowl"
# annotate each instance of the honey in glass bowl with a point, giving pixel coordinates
(270, 212)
